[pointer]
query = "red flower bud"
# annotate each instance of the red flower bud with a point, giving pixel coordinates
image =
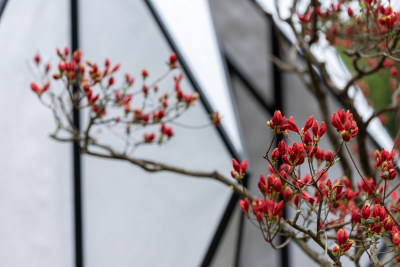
(366, 211)
(350, 12)
(243, 166)
(244, 205)
(278, 209)
(115, 68)
(355, 217)
(348, 245)
(111, 81)
(45, 87)
(236, 165)
(314, 128)
(379, 212)
(278, 185)
(172, 59)
(322, 129)
(335, 249)
(262, 185)
(145, 73)
(308, 124)
(329, 156)
(287, 194)
(149, 137)
(234, 174)
(395, 236)
(35, 87)
(296, 200)
(341, 237)
(36, 58)
(282, 148)
(66, 51)
(394, 71)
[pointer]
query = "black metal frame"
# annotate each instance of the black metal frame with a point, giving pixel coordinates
(77, 174)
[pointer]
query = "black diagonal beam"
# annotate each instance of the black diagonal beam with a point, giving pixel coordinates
(251, 88)
(77, 176)
(2, 6)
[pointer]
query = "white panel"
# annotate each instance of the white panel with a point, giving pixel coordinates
(191, 26)
(134, 218)
(35, 188)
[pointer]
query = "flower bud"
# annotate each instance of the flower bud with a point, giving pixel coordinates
(244, 205)
(366, 211)
(341, 237)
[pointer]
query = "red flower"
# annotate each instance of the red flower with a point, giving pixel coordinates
(308, 124)
(329, 157)
(262, 185)
(244, 205)
(366, 211)
(279, 123)
(296, 155)
(355, 217)
(149, 137)
(278, 185)
(350, 11)
(39, 91)
(145, 73)
(395, 236)
(344, 124)
(335, 249)
(236, 165)
(278, 209)
(341, 237)
(379, 213)
(239, 169)
(348, 245)
(275, 155)
(287, 194)
(165, 130)
(36, 58)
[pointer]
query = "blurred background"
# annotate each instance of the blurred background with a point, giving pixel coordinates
(129, 217)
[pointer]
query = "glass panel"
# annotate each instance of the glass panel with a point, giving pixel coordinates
(133, 217)
(35, 187)
(190, 24)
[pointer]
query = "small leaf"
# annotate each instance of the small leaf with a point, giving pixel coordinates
(369, 221)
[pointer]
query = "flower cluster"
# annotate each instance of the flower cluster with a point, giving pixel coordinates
(315, 193)
(344, 124)
(239, 170)
(384, 162)
(128, 104)
(343, 243)
(279, 123)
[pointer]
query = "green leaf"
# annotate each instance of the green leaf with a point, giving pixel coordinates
(369, 221)
(377, 236)
(336, 160)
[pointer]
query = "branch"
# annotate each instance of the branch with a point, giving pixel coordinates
(390, 108)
